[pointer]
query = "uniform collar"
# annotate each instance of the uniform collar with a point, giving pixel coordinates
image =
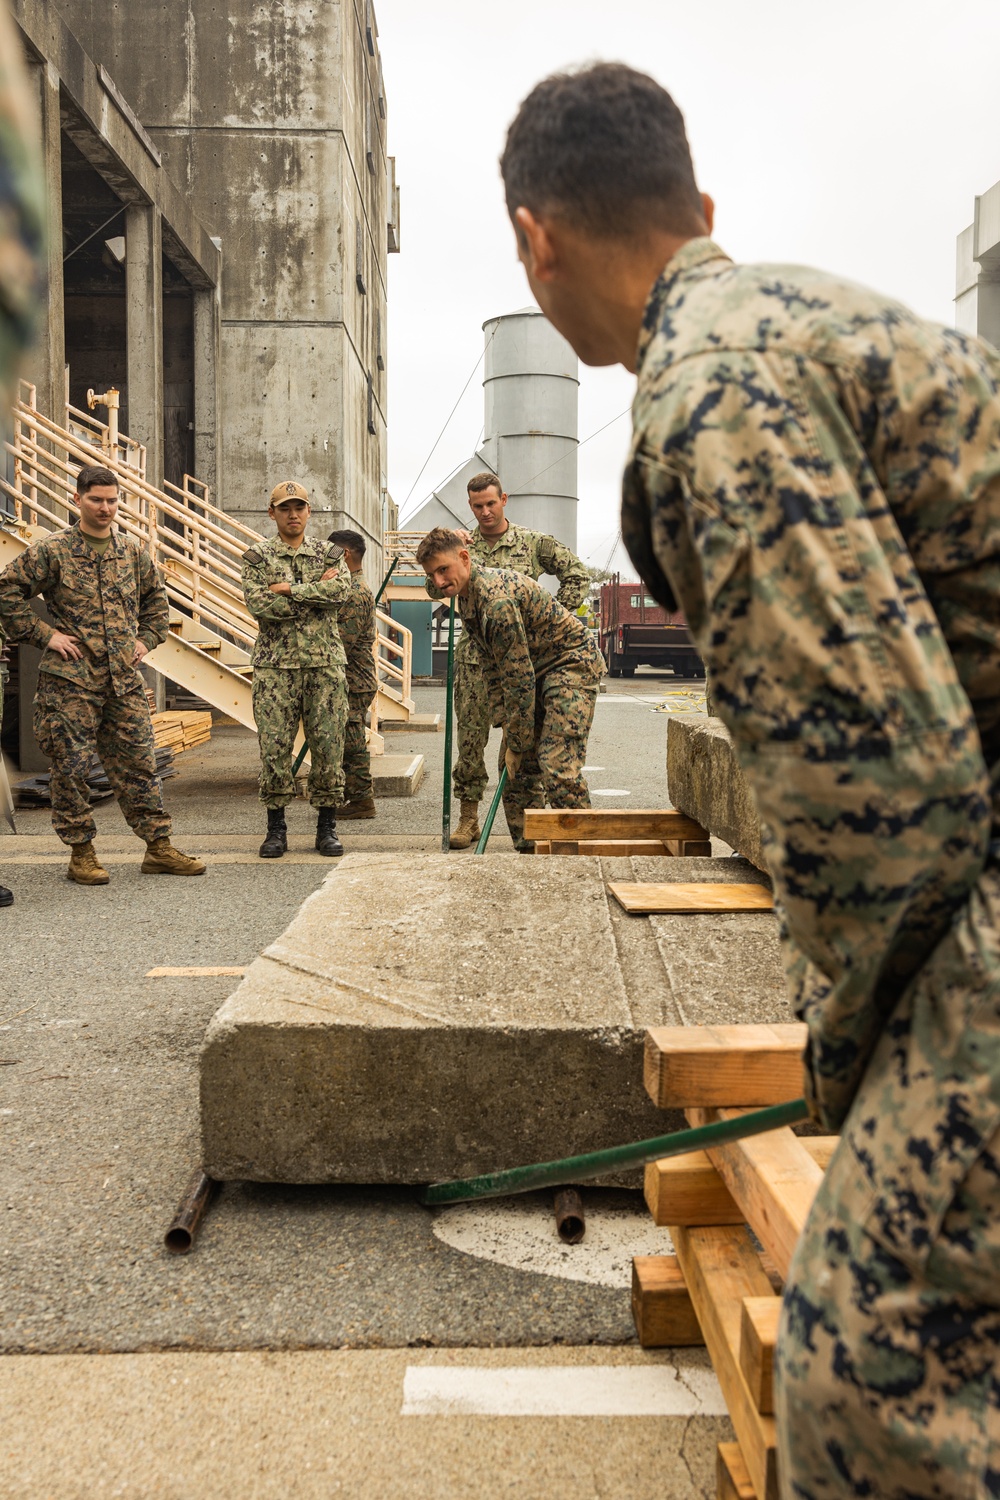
(82, 548)
(691, 255)
(306, 545)
(509, 535)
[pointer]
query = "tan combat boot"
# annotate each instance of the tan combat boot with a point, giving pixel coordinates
(163, 859)
(363, 808)
(83, 866)
(468, 829)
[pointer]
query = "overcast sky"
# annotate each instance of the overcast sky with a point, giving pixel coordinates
(852, 138)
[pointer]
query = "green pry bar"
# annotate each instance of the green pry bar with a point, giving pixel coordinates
(574, 1169)
(484, 837)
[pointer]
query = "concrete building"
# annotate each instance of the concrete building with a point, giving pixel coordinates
(223, 206)
(977, 271)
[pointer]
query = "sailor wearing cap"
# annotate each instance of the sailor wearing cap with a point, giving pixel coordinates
(293, 588)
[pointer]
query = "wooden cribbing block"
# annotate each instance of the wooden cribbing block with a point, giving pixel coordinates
(773, 1179)
(689, 1190)
(681, 896)
(615, 823)
(661, 1307)
(758, 1337)
(732, 1481)
(724, 1065)
(603, 848)
(720, 1268)
(690, 848)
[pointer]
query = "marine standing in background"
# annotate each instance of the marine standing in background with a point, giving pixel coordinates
(541, 669)
(22, 218)
(497, 543)
(815, 481)
(294, 588)
(356, 622)
(109, 609)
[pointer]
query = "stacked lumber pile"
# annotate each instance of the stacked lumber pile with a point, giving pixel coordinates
(615, 832)
(178, 731)
(720, 1288)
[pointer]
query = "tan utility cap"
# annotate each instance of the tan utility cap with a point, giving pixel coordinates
(288, 490)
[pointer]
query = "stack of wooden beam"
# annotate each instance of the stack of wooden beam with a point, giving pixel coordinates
(180, 731)
(615, 832)
(734, 1214)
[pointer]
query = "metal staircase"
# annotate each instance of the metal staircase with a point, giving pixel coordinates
(196, 546)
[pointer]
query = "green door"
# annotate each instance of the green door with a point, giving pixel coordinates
(416, 617)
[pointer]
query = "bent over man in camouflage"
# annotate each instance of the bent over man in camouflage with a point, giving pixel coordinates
(815, 480)
(497, 543)
(109, 610)
(356, 623)
(541, 669)
(293, 588)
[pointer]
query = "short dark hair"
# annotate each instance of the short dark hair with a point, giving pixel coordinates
(349, 539)
(92, 475)
(480, 482)
(605, 148)
(437, 541)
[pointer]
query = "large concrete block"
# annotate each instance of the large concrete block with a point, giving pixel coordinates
(705, 780)
(426, 1017)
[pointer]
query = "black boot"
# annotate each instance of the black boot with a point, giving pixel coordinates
(327, 841)
(6, 896)
(276, 843)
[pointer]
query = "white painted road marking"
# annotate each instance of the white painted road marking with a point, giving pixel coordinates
(659, 1390)
(609, 791)
(592, 768)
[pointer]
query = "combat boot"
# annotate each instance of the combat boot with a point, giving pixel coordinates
(468, 829)
(327, 841)
(276, 842)
(6, 896)
(83, 866)
(162, 858)
(363, 808)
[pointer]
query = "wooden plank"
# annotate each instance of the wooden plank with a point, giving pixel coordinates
(690, 848)
(613, 823)
(720, 1268)
(758, 1337)
(688, 1190)
(773, 1179)
(681, 896)
(191, 973)
(611, 848)
(737, 1065)
(661, 1306)
(732, 1479)
(542, 846)
(564, 846)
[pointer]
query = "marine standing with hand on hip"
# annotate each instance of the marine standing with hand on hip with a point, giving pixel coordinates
(356, 623)
(293, 588)
(497, 543)
(110, 609)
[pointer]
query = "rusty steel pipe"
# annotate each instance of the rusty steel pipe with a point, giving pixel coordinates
(190, 1211)
(570, 1222)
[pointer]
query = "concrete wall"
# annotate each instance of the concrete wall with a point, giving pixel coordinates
(272, 119)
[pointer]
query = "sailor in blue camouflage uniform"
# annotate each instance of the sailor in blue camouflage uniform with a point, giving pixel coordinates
(815, 480)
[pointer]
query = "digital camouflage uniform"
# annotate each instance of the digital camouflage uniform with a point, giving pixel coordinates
(298, 666)
(518, 551)
(356, 619)
(541, 669)
(815, 478)
(99, 702)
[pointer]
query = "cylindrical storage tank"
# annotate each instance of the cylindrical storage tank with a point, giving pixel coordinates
(531, 388)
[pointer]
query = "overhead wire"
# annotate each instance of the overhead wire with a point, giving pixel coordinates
(528, 482)
(444, 429)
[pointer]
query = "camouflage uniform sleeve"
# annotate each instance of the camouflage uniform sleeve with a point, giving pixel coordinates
(23, 579)
(508, 668)
(154, 609)
(832, 676)
(332, 593)
(261, 603)
(558, 561)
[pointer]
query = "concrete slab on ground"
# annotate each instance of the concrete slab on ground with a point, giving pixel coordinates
(389, 1036)
(397, 775)
(401, 1425)
(415, 724)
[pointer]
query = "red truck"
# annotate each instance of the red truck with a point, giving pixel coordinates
(636, 631)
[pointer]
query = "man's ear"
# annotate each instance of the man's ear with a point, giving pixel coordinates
(708, 210)
(535, 245)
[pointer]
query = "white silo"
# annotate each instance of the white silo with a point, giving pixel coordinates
(531, 388)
